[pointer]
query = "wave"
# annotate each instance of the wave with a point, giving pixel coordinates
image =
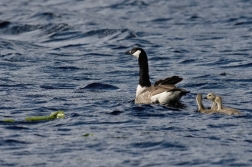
(96, 87)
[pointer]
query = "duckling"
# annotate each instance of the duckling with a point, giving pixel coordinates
(211, 97)
(201, 108)
(228, 111)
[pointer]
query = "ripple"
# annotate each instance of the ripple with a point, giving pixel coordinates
(4, 24)
(13, 142)
(243, 23)
(57, 86)
(96, 87)
(145, 144)
(14, 29)
(45, 15)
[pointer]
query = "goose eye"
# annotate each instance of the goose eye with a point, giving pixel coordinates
(133, 50)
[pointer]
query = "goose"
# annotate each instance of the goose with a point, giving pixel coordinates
(228, 111)
(163, 91)
(201, 108)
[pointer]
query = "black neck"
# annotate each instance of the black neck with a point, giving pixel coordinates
(144, 79)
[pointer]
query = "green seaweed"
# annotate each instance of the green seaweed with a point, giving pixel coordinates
(87, 134)
(10, 120)
(54, 115)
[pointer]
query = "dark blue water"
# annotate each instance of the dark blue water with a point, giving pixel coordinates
(69, 55)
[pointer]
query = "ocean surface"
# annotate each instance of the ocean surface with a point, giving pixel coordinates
(69, 56)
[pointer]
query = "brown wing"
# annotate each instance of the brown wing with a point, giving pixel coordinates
(168, 81)
(158, 89)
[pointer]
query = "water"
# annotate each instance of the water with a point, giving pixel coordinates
(69, 55)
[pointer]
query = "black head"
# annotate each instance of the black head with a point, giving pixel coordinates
(136, 52)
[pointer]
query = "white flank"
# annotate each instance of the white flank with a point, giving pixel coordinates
(166, 97)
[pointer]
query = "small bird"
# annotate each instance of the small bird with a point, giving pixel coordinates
(228, 111)
(211, 97)
(163, 91)
(201, 108)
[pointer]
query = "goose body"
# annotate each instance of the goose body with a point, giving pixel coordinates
(163, 91)
(201, 108)
(228, 111)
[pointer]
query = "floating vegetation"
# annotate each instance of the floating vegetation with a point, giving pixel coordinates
(52, 116)
(88, 134)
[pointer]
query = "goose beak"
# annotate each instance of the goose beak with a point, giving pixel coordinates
(128, 52)
(204, 97)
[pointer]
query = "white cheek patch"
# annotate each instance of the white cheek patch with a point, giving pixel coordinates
(137, 53)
